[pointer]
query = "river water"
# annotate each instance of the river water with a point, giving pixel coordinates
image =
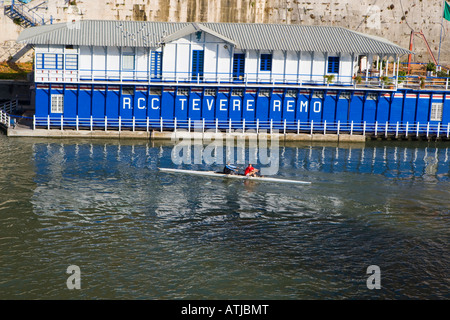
(137, 233)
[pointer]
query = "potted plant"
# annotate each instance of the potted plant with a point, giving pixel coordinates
(431, 67)
(422, 82)
(386, 81)
(329, 78)
(358, 79)
(442, 74)
(401, 78)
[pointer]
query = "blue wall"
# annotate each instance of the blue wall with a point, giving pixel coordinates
(141, 102)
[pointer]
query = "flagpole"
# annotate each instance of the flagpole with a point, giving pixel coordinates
(440, 37)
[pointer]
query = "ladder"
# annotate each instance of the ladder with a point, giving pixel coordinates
(24, 15)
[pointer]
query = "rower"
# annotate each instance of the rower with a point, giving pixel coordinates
(230, 169)
(251, 171)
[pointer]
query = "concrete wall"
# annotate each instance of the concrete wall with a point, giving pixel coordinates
(391, 19)
(11, 90)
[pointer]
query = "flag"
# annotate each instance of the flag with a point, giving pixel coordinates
(446, 11)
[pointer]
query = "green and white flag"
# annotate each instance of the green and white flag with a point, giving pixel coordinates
(446, 11)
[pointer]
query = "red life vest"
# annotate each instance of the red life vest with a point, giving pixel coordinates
(248, 170)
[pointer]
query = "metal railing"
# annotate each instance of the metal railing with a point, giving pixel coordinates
(22, 11)
(9, 107)
(387, 129)
(143, 77)
(5, 119)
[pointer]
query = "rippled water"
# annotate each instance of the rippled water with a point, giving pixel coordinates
(137, 233)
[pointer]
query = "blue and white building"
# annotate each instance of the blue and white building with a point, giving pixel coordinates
(165, 76)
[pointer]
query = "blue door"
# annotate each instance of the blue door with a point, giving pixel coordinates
(238, 67)
(197, 64)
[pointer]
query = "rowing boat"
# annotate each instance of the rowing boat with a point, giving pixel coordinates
(233, 176)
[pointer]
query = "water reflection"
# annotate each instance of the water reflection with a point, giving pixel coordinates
(71, 177)
(390, 161)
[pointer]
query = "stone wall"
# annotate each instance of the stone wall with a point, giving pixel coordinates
(391, 19)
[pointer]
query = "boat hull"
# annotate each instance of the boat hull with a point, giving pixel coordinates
(232, 176)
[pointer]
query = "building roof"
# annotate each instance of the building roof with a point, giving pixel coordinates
(247, 36)
(195, 27)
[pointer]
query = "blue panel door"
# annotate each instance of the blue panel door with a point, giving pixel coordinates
(140, 104)
(276, 103)
(342, 109)
(238, 67)
(42, 102)
(167, 103)
(197, 64)
(98, 103)
(329, 107)
(316, 109)
(369, 110)
(289, 109)
(409, 107)
(262, 111)
(208, 108)
(396, 109)
(383, 112)
(84, 102)
(127, 102)
(303, 107)
(112, 102)
(154, 107)
(423, 107)
(249, 110)
(222, 105)
(446, 110)
(356, 107)
(195, 105)
(70, 103)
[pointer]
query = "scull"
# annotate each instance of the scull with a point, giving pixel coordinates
(233, 176)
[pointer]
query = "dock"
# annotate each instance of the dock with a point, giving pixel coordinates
(21, 131)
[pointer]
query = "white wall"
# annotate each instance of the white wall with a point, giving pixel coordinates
(177, 56)
(113, 62)
(177, 61)
(292, 63)
(305, 66)
(346, 68)
(85, 59)
(252, 65)
(318, 68)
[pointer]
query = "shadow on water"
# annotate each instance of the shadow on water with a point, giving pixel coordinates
(136, 232)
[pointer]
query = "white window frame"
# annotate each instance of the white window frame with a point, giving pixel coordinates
(50, 61)
(436, 111)
(334, 65)
(71, 61)
(57, 103)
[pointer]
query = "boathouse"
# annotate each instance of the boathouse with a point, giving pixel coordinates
(169, 76)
